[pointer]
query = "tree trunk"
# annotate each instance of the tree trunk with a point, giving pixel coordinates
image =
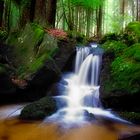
(122, 12)
(1, 12)
(88, 12)
(25, 14)
(32, 10)
(45, 12)
(70, 22)
(133, 10)
(51, 12)
(99, 22)
(40, 12)
(137, 12)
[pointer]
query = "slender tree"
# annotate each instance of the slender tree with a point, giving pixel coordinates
(1, 12)
(99, 21)
(6, 14)
(51, 12)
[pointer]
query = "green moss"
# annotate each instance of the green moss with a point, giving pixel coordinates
(133, 32)
(134, 27)
(38, 31)
(114, 47)
(49, 45)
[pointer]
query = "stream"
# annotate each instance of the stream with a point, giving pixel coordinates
(11, 128)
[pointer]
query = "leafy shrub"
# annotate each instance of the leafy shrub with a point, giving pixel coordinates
(58, 33)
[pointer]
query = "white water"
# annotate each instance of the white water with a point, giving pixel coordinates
(80, 95)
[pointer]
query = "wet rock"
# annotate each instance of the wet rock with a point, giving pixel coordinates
(119, 79)
(39, 109)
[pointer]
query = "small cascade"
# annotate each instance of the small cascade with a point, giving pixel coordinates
(81, 88)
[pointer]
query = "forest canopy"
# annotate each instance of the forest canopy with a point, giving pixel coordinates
(89, 17)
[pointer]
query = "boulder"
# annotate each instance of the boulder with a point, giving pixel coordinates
(39, 109)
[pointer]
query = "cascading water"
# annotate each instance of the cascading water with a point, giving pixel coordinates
(80, 89)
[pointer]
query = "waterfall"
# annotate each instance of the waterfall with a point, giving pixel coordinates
(81, 89)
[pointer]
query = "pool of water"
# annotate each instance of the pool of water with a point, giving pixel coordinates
(11, 128)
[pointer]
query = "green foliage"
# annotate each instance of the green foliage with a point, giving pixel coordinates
(114, 47)
(88, 4)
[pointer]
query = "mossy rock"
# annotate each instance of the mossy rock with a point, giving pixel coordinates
(110, 37)
(49, 45)
(132, 31)
(39, 109)
(31, 48)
